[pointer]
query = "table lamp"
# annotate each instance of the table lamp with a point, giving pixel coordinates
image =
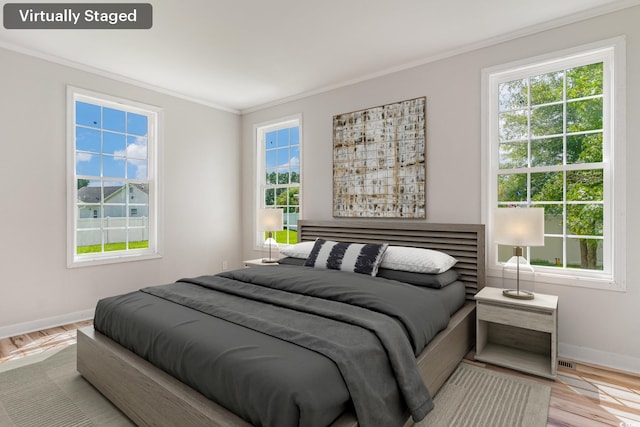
(518, 227)
(270, 220)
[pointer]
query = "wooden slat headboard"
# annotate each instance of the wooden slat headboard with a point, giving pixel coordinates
(465, 242)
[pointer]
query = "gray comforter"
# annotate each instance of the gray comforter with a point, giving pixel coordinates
(370, 328)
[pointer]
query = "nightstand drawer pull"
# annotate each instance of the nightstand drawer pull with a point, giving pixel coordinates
(521, 317)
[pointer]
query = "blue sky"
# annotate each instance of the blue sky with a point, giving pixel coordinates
(110, 143)
(283, 150)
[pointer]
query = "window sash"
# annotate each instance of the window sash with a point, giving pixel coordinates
(611, 276)
(125, 227)
(260, 132)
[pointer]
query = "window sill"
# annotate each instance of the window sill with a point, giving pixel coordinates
(77, 262)
(593, 281)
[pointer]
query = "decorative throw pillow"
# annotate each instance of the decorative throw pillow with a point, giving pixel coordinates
(418, 260)
(353, 257)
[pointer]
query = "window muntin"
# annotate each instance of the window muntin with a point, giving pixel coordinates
(280, 175)
(112, 196)
(550, 140)
(547, 123)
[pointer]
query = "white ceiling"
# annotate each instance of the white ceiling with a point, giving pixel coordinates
(242, 54)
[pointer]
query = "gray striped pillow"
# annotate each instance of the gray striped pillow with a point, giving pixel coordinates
(361, 258)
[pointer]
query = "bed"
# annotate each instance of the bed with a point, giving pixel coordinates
(149, 396)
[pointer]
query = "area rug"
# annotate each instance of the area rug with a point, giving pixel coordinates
(477, 397)
(46, 390)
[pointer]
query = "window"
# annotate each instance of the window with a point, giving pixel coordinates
(279, 174)
(113, 146)
(553, 134)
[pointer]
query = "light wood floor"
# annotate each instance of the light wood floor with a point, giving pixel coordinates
(37, 342)
(587, 396)
(582, 397)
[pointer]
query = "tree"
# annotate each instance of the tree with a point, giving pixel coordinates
(280, 195)
(532, 125)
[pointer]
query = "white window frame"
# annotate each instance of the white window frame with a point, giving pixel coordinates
(612, 53)
(259, 131)
(154, 157)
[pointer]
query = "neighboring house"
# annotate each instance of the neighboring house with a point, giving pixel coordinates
(125, 214)
(115, 201)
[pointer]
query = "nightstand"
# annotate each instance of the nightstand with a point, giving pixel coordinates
(517, 334)
(256, 262)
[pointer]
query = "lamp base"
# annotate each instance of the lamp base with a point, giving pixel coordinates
(269, 260)
(518, 294)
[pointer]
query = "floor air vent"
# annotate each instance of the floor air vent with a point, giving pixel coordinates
(566, 364)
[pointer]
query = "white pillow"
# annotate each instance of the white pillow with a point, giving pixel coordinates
(417, 260)
(299, 250)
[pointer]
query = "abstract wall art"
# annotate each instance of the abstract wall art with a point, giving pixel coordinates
(379, 161)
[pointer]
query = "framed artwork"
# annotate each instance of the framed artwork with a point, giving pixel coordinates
(379, 161)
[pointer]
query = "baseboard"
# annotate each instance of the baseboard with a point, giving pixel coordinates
(41, 324)
(605, 359)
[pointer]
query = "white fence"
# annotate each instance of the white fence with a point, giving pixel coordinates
(291, 221)
(114, 230)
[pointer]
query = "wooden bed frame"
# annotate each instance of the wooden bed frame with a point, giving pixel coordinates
(149, 396)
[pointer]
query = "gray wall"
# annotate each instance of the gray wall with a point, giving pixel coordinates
(595, 325)
(201, 175)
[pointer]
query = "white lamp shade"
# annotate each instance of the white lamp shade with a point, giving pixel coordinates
(518, 226)
(270, 220)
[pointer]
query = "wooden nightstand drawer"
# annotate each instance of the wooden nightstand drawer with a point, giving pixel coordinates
(540, 320)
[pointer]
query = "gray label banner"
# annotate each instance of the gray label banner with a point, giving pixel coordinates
(82, 16)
